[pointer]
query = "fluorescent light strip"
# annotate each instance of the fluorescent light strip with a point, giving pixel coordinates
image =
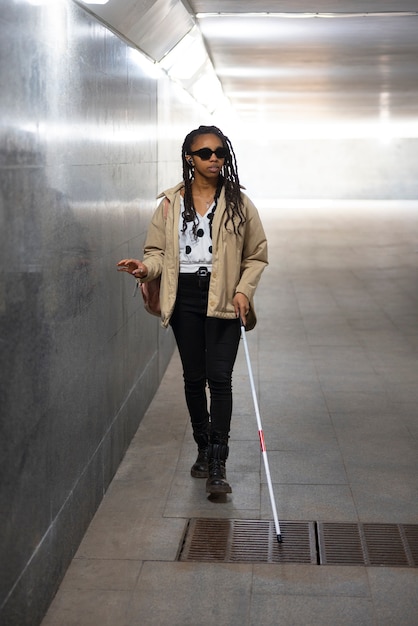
(309, 15)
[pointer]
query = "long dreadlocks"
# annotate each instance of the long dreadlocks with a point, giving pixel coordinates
(228, 179)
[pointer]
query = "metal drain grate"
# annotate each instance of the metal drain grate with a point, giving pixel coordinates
(244, 541)
(390, 545)
(411, 535)
(322, 543)
(340, 544)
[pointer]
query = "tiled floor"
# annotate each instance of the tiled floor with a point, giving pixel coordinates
(334, 358)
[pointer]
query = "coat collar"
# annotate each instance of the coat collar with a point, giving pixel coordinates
(169, 193)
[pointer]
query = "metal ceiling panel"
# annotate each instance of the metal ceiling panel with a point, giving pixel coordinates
(287, 69)
(333, 67)
(155, 26)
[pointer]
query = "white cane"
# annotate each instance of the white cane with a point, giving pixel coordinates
(261, 435)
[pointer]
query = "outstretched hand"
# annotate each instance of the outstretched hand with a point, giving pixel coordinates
(134, 267)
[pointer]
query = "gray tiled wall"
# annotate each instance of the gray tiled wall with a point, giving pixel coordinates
(80, 359)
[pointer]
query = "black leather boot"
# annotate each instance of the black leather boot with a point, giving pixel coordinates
(200, 467)
(218, 453)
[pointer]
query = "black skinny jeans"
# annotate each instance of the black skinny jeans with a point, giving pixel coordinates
(208, 348)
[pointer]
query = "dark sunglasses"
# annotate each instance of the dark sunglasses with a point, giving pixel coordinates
(206, 153)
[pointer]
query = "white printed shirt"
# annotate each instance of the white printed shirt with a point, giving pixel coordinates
(196, 251)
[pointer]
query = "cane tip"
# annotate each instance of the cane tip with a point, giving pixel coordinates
(279, 539)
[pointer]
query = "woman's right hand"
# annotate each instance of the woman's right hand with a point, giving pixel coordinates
(134, 267)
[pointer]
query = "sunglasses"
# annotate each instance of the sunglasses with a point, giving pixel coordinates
(206, 153)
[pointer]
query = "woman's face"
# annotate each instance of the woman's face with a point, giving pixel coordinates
(207, 168)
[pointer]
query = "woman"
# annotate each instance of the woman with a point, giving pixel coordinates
(209, 247)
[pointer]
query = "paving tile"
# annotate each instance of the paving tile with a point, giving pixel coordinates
(188, 497)
(394, 592)
(310, 580)
(302, 417)
(294, 610)
(142, 498)
(357, 401)
(244, 427)
(102, 574)
(320, 467)
(410, 421)
(147, 462)
(395, 366)
(243, 455)
(310, 502)
(335, 360)
(402, 392)
(188, 594)
(371, 429)
(298, 436)
(81, 607)
(386, 498)
(380, 457)
(291, 365)
(296, 398)
(125, 535)
(353, 383)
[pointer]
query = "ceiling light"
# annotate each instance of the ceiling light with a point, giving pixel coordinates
(208, 91)
(188, 64)
(186, 58)
(309, 15)
(150, 68)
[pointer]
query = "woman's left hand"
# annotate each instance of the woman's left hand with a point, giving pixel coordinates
(242, 306)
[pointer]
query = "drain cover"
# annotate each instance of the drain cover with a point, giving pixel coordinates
(243, 541)
(322, 543)
(390, 545)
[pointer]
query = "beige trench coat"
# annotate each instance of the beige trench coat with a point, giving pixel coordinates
(237, 260)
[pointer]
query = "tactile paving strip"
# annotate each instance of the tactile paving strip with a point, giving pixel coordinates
(322, 543)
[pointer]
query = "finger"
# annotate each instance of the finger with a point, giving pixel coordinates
(238, 307)
(128, 262)
(242, 315)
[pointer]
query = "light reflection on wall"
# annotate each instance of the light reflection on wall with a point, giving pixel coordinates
(83, 132)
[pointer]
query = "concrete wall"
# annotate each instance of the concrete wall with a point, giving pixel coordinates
(80, 358)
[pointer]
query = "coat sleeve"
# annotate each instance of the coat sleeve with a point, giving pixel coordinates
(155, 243)
(254, 258)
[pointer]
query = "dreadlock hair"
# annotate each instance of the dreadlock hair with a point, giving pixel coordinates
(228, 179)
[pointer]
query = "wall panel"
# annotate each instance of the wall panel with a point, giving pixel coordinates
(80, 358)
